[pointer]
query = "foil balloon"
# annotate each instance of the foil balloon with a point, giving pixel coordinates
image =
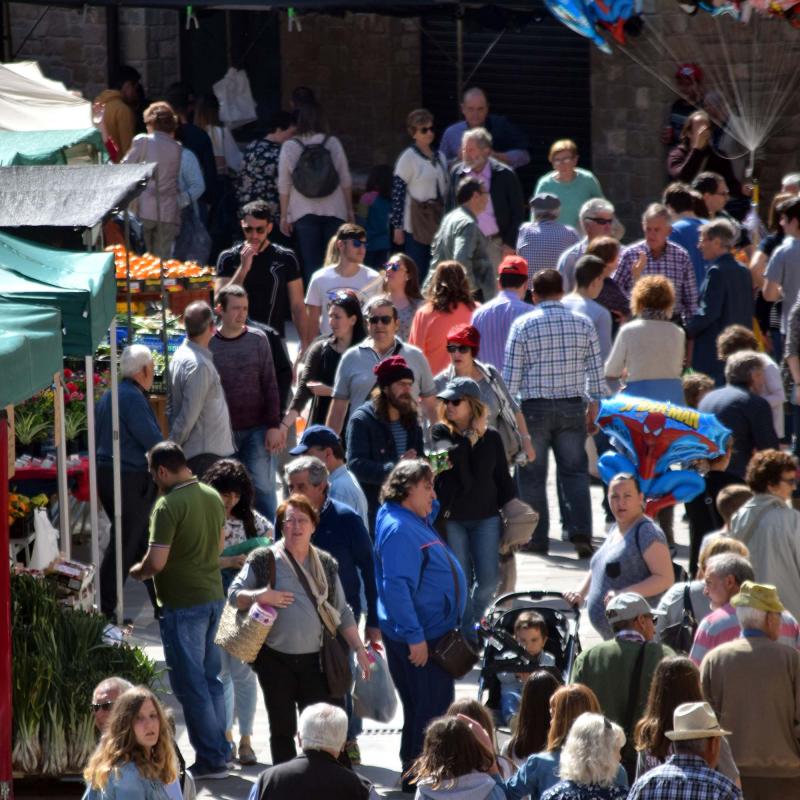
(577, 17)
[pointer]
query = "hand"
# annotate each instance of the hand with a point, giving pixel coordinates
(275, 439)
(418, 654)
(609, 596)
(574, 598)
(638, 268)
(286, 227)
(274, 598)
(232, 562)
(530, 452)
(319, 389)
(364, 663)
(246, 258)
(507, 251)
(374, 637)
(135, 571)
(483, 738)
(666, 135)
(409, 454)
(399, 237)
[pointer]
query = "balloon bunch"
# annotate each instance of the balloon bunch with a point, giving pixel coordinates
(588, 17)
(742, 10)
(652, 439)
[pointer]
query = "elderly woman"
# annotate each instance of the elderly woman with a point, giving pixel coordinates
(463, 345)
(449, 302)
(418, 188)
(288, 666)
(421, 596)
(472, 491)
(590, 762)
(158, 206)
(401, 284)
(634, 556)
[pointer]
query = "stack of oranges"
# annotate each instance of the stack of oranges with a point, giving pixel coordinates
(148, 266)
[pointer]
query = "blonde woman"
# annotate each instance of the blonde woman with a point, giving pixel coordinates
(135, 759)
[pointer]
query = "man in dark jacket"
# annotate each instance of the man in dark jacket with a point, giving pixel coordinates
(315, 773)
(726, 297)
(384, 430)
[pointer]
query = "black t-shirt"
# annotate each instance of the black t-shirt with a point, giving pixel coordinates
(266, 283)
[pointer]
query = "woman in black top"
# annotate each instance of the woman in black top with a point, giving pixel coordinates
(471, 492)
(322, 359)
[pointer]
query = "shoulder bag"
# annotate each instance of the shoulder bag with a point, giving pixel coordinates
(506, 422)
(238, 633)
(334, 653)
(681, 635)
(426, 215)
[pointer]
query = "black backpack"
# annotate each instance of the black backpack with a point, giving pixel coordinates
(314, 174)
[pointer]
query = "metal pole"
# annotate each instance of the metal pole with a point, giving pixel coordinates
(115, 456)
(61, 464)
(128, 271)
(93, 516)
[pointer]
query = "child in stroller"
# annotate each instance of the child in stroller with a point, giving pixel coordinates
(548, 623)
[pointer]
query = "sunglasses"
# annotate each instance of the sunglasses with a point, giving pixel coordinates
(458, 348)
(392, 266)
(426, 129)
(453, 402)
(600, 220)
(101, 706)
(356, 240)
(254, 228)
(381, 320)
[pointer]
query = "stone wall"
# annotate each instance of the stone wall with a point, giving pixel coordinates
(365, 70)
(631, 100)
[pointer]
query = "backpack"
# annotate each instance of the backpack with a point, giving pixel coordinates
(314, 174)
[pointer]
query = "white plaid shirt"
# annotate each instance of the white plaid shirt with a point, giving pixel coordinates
(553, 354)
(684, 777)
(542, 243)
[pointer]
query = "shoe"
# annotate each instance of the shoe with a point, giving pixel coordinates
(208, 773)
(536, 549)
(353, 752)
(247, 755)
(583, 546)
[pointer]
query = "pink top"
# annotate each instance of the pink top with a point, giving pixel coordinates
(429, 332)
(487, 221)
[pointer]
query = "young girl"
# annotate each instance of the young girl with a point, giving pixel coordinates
(454, 763)
(136, 758)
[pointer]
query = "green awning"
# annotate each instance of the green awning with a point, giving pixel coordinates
(30, 350)
(36, 148)
(81, 285)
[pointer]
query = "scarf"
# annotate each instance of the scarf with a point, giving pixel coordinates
(651, 313)
(318, 583)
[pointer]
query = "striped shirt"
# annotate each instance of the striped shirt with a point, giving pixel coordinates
(493, 321)
(553, 354)
(722, 626)
(674, 263)
(542, 243)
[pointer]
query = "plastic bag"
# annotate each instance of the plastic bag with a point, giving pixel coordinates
(375, 698)
(45, 546)
(236, 104)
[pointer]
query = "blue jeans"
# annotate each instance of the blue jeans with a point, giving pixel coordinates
(475, 543)
(560, 425)
(421, 253)
(241, 692)
(355, 725)
(312, 233)
(194, 665)
(425, 693)
(254, 455)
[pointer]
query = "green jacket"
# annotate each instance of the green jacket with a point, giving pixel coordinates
(460, 239)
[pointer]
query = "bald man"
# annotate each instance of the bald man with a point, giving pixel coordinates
(510, 143)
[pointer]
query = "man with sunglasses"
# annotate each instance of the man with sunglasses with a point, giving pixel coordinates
(269, 272)
(348, 272)
(104, 696)
(596, 218)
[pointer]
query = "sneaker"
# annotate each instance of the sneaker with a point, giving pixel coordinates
(247, 755)
(203, 773)
(353, 751)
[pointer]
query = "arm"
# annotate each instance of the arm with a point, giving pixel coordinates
(688, 290)
(623, 277)
(360, 460)
(339, 158)
(771, 291)
(191, 179)
(659, 563)
(465, 244)
(364, 561)
(195, 391)
(514, 361)
(269, 385)
(142, 426)
(684, 163)
(764, 436)
(711, 298)
(506, 487)
(516, 207)
(401, 568)
(578, 597)
(302, 394)
(758, 265)
(615, 364)
(773, 278)
(298, 310)
(595, 384)
(155, 559)
(336, 414)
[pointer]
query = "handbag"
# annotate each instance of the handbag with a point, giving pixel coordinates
(426, 216)
(506, 422)
(681, 635)
(334, 653)
(238, 633)
(519, 523)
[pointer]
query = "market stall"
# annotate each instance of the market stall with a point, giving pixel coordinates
(41, 148)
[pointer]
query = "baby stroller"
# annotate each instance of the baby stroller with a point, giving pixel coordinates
(503, 654)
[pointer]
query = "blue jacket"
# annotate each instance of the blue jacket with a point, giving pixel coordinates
(726, 298)
(372, 453)
(416, 595)
(138, 428)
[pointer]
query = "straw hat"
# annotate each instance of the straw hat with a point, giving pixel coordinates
(760, 596)
(694, 721)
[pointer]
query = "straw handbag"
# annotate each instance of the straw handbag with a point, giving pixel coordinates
(238, 633)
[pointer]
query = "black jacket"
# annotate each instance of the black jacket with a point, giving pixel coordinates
(479, 483)
(507, 198)
(312, 774)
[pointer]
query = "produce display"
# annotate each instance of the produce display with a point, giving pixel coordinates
(59, 656)
(146, 272)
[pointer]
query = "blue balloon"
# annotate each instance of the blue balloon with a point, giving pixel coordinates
(574, 14)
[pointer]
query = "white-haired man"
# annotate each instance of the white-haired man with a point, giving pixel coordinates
(753, 684)
(596, 218)
(138, 432)
(315, 773)
(103, 698)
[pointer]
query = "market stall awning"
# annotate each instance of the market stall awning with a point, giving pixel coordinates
(39, 148)
(30, 350)
(81, 285)
(68, 197)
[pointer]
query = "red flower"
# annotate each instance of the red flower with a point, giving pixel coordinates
(71, 387)
(68, 373)
(97, 379)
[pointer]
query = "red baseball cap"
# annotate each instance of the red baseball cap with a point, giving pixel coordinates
(690, 71)
(513, 265)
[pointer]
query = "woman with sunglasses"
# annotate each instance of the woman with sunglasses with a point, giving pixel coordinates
(401, 283)
(418, 186)
(505, 415)
(322, 358)
(471, 492)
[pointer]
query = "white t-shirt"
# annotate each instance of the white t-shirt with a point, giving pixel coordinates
(326, 282)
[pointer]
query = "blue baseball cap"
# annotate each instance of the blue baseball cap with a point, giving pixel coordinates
(315, 436)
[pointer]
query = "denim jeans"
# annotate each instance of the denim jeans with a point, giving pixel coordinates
(193, 661)
(253, 453)
(560, 425)
(421, 253)
(241, 692)
(312, 233)
(355, 725)
(475, 544)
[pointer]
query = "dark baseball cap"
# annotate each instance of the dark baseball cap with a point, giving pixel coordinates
(315, 436)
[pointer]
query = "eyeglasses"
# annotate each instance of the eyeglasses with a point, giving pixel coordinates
(723, 194)
(563, 159)
(458, 348)
(101, 706)
(426, 129)
(456, 401)
(789, 481)
(381, 320)
(599, 220)
(254, 228)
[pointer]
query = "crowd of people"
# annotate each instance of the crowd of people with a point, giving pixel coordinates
(432, 385)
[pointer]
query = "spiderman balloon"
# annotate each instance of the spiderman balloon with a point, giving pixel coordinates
(658, 442)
